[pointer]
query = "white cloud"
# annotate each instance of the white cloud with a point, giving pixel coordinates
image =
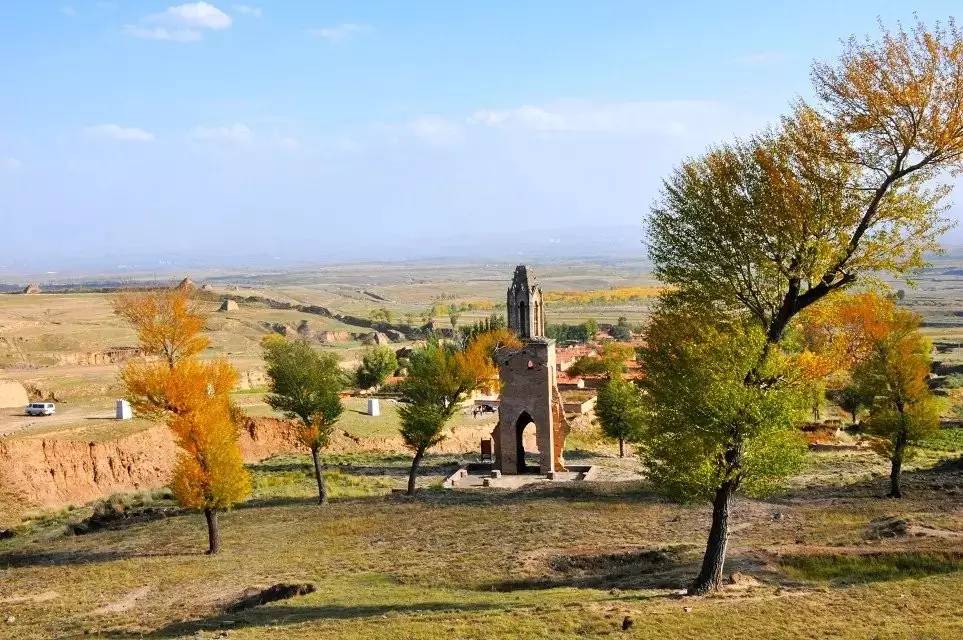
(120, 133)
(181, 23)
(162, 33)
(527, 116)
(69, 11)
(669, 117)
(10, 164)
(436, 130)
(339, 33)
(197, 15)
(229, 134)
(288, 143)
(249, 10)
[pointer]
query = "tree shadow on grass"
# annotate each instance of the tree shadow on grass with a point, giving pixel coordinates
(21, 559)
(399, 471)
(938, 480)
(581, 491)
(673, 567)
(394, 466)
(580, 454)
(863, 568)
(284, 615)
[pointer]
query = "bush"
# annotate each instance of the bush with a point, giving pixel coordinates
(376, 365)
(567, 332)
(953, 381)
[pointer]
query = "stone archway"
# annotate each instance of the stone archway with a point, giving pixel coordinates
(523, 422)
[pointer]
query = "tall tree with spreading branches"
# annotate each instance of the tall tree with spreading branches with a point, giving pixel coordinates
(843, 188)
(305, 385)
(193, 397)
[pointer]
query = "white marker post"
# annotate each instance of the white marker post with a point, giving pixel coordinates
(123, 410)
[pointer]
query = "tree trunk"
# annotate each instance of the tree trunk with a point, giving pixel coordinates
(897, 466)
(710, 576)
(413, 475)
(322, 488)
(213, 532)
(621, 447)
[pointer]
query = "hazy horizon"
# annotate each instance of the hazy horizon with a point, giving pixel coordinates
(165, 135)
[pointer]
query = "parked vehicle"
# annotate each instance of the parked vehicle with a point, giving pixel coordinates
(40, 409)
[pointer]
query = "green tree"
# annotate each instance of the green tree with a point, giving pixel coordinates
(621, 332)
(696, 399)
(422, 427)
(610, 361)
(305, 385)
(851, 399)
(903, 410)
(377, 363)
(491, 323)
(440, 377)
(591, 328)
(619, 411)
(454, 312)
(768, 227)
(567, 332)
(436, 383)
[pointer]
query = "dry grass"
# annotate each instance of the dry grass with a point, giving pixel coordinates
(546, 562)
(563, 561)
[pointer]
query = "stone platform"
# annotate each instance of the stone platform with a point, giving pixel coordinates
(480, 475)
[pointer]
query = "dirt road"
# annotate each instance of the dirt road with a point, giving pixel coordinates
(15, 420)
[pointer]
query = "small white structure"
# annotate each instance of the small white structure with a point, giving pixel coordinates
(123, 410)
(374, 407)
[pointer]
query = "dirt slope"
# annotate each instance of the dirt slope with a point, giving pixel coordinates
(52, 472)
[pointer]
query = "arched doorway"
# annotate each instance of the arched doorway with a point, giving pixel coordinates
(524, 425)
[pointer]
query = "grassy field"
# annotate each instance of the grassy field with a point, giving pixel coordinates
(356, 421)
(562, 561)
(46, 339)
(549, 561)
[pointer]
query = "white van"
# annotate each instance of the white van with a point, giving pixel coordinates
(40, 409)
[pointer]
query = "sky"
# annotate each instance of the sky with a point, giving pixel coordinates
(144, 133)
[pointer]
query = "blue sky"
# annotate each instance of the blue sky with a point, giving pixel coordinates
(294, 130)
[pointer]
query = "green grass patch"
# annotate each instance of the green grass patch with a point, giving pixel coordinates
(859, 569)
(946, 439)
(293, 477)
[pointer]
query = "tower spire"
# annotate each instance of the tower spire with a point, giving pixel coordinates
(526, 314)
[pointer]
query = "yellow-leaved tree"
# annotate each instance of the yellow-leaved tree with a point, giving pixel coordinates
(895, 377)
(191, 396)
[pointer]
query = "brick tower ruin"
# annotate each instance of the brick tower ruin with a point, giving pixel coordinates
(524, 307)
(529, 393)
